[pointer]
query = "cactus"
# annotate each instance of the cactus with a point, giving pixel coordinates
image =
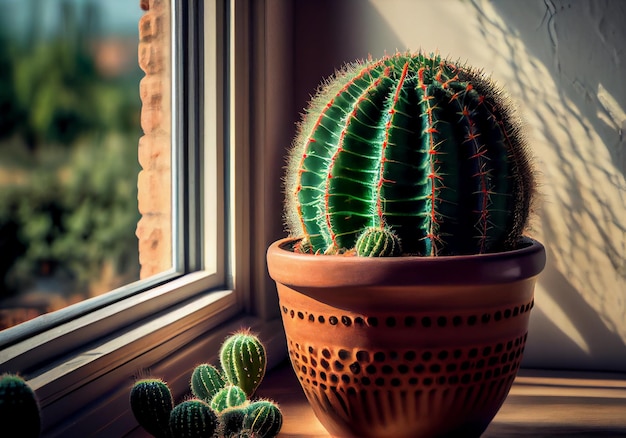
(152, 403)
(206, 381)
(263, 418)
(193, 418)
(243, 360)
(231, 422)
(413, 144)
(220, 404)
(378, 242)
(228, 397)
(19, 408)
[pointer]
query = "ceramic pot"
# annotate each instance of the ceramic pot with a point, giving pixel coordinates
(406, 346)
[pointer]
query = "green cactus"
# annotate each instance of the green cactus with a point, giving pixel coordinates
(413, 144)
(243, 360)
(206, 381)
(151, 403)
(378, 242)
(231, 422)
(19, 409)
(228, 397)
(193, 418)
(263, 418)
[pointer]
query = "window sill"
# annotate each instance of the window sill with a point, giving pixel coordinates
(541, 404)
(164, 332)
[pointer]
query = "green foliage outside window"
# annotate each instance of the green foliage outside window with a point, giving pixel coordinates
(68, 160)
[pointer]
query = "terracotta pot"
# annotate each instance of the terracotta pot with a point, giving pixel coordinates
(406, 346)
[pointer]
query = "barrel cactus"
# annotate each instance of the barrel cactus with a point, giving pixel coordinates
(19, 408)
(228, 397)
(263, 418)
(193, 418)
(151, 403)
(408, 155)
(206, 381)
(243, 361)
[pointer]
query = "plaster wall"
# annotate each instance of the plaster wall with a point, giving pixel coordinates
(563, 63)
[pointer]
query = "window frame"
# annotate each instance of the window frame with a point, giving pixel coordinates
(27, 345)
(82, 360)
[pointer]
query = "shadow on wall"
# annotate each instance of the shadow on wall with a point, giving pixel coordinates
(581, 346)
(583, 221)
(586, 44)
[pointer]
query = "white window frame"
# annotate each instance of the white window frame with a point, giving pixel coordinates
(82, 360)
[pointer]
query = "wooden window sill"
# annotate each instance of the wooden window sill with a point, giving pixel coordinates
(540, 404)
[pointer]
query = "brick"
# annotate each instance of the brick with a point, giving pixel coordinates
(147, 32)
(150, 57)
(151, 119)
(154, 192)
(154, 151)
(154, 229)
(155, 248)
(151, 90)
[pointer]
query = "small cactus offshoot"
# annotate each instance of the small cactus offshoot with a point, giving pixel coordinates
(206, 381)
(228, 397)
(378, 242)
(243, 360)
(19, 408)
(152, 403)
(231, 422)
(263, 418)
(193, 419)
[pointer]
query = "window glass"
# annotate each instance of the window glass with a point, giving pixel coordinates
(70, 123)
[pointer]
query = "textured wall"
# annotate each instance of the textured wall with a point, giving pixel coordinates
(154, 229)
(563, 63)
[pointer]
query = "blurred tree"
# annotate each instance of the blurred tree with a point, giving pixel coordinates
(70, 135)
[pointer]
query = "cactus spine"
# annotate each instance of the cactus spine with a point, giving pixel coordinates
(152, 403)
(193, 419)
(243, 360)
(19, 408)
(414, 144)
(206, 381)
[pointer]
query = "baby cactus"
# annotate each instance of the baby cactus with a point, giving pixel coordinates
(151, 402)
(243, 360)
(220, 405)
(263, 418)
(228, 397)
(19, 408)
(193, 418)
(206, 381)
(231, 422)
(411, 152)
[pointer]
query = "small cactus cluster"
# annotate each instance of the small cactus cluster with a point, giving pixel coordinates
(408, 155)
(221, 404)
(19, 408)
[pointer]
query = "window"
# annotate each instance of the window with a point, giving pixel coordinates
(82, 360)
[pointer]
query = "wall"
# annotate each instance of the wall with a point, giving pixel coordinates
(563, 64)
(154, 180)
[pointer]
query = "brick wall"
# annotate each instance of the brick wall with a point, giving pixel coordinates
(154, 229)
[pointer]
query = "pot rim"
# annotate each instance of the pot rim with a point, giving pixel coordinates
(308, 270)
